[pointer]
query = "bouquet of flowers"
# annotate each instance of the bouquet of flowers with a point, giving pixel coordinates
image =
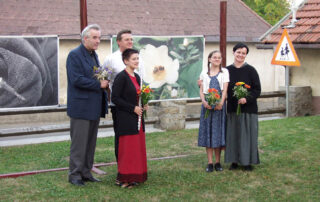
(240, 90)
(146, 95)
(213, 97)
(102, 73)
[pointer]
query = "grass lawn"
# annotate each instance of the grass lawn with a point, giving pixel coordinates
(289, 169)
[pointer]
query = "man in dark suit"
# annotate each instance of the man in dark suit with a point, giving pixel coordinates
(87, 102)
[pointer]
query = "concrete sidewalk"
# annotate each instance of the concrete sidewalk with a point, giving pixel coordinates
(55, 137)
(64, 136)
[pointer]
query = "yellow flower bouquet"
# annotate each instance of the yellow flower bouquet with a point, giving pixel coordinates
(240, 90)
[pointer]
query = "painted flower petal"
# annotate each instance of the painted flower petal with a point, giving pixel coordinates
(159, 68)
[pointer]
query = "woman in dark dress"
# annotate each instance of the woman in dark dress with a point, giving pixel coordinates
(132, 158)
(242, 129)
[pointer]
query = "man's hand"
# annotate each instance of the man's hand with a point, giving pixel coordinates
(104, 83)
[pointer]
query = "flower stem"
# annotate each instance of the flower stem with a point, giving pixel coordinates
(207, 113)
(238, 109)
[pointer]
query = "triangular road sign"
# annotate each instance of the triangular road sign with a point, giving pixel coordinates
(285, 53)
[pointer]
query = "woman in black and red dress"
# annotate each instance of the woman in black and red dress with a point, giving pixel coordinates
(132, 158)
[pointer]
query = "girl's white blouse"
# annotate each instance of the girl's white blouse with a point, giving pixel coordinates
(223, 77)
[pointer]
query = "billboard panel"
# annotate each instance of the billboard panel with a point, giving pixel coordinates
(171, 64)
(28, 71)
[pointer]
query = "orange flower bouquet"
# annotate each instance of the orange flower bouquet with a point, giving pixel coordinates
(146, 94)
(240, 90)
(213, 97)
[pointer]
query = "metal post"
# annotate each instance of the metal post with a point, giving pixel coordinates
(287, 90)
(223, 31)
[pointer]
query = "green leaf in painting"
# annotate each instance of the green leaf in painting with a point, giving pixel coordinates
(176, 55)
(188, 78)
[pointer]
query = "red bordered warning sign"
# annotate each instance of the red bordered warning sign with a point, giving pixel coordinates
(285, 53)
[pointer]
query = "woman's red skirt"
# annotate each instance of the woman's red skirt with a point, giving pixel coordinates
(132, 158)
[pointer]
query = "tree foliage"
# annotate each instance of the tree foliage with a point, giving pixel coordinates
(270, 10)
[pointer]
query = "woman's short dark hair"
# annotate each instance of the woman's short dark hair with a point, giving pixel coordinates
(127, 53)
(240, 45)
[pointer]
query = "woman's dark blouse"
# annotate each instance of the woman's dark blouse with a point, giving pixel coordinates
(124, 96)
(249, 75)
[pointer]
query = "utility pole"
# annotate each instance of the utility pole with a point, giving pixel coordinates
(223, 31)
(83, 14)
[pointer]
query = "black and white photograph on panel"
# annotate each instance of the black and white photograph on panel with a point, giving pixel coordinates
(28, 71)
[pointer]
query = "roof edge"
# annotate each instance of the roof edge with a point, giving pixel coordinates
(296, 46)
(78, 36)
(216, 38)
(208, 38)
(276, 26)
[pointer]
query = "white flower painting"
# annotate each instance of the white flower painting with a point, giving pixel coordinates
(159, 68)
(170, 65)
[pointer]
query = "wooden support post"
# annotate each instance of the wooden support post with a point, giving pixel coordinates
(223, 31)
(83, 14)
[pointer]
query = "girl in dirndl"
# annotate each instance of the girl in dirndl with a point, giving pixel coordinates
(212, 129)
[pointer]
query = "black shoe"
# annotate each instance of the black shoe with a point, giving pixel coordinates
(248, 168)
(218, 167)
(91, 179)
(233, 166)
(118, 183)
(209, 168)
(77, 182)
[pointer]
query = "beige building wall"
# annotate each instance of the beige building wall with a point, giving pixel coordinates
(309, 72)
(65, 46)
(271, 77)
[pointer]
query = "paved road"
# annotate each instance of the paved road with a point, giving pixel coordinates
(64, 136)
